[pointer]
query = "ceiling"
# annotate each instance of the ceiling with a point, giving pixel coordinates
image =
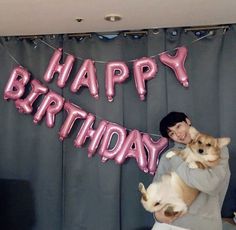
(38, 17)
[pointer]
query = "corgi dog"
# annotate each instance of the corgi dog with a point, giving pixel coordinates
(171, 193)
(203, 151)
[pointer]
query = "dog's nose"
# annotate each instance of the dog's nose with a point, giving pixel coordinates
(200, 151)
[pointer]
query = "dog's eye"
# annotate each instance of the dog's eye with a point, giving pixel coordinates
(199, 142)
(208, 145)
(156, 204)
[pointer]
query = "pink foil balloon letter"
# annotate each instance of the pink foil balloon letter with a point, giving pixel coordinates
(15, 86)
(74, 112)
(133, 147)
(86, 77)
(55, 67)
(154, 149)
(51, 105)
(25, 105)
(144, 69)
(112, 129)
(176, 63)
(116, 72)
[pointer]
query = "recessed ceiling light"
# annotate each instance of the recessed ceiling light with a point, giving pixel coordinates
(112, 17)
(79, 19)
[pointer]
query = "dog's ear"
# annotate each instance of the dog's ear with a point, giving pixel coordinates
(223, 141)
(141, 187)
(143, 191)
(193, 132)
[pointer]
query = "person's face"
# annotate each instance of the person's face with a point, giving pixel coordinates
(180, 132)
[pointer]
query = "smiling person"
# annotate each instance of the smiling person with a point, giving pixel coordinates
(205, 211)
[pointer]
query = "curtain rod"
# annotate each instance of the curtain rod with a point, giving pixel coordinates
(80, 35)
(136, 32)
(214, 27)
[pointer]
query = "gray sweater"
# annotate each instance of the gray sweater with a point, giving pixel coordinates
(205, 211)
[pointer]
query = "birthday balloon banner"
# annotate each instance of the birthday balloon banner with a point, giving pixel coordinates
(133, 144)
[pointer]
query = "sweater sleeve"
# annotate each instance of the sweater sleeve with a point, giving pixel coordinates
(163, 167)
(205, 180)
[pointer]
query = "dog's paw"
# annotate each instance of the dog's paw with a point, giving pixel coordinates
(171, 212)
(193, 165)
(170, 154)
(211, 157)
(200, 165)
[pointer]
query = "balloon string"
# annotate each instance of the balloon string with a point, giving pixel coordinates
(47, 44)
(151, 134)
(10, 55)
(132, 60)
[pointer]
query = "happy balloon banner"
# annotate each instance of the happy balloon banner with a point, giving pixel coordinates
(133, 144)
(116, 72)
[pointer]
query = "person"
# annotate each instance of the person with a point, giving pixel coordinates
(205, 211)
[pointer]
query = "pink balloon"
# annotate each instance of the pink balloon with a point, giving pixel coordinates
(25, 105)
(113, 77)
(154, 149)
(112, 129)
(86, 77)
(51, 105)
(96, 137)
(85, 131)
(15, 86)
(140, 75)
(74, 112)
(133, 147)
(55, 67)
(176, 63)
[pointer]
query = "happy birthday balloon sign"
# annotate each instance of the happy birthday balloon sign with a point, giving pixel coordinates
(135, 145)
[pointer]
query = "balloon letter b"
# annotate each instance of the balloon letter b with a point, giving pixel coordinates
(15, 87)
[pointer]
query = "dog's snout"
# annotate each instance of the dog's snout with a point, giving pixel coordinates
(200, 151)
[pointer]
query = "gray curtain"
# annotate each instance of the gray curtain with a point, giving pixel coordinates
(48, 184)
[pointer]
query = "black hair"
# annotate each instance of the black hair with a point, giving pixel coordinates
(170, 120)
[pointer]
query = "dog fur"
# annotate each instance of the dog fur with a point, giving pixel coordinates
(203, 151)
(171, 193)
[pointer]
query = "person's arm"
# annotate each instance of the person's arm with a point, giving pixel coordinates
(163, 167)
(205, 180)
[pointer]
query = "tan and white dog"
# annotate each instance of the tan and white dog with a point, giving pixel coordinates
(171, 193)
(203, 151)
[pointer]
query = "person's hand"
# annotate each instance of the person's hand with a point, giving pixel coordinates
(161, 217)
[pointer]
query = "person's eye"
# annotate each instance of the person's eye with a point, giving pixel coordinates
(170, 134)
